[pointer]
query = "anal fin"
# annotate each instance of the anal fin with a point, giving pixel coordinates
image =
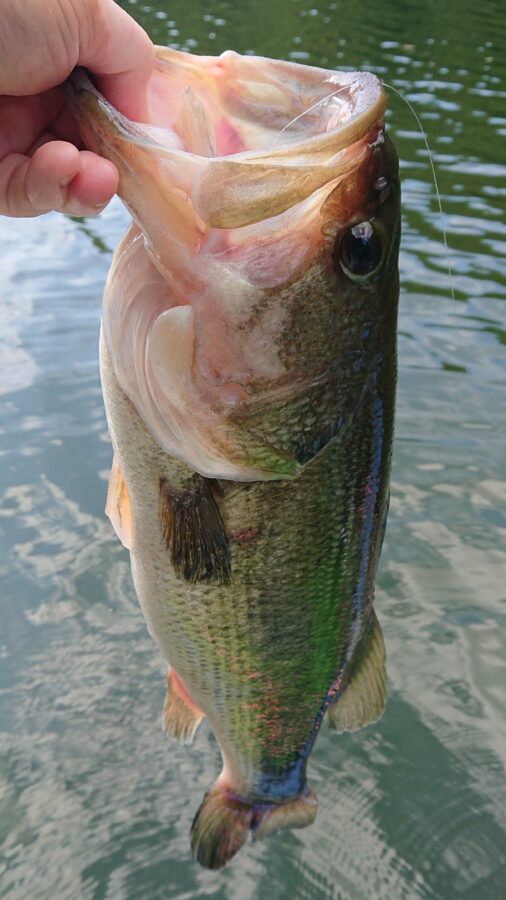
(363, 700)
(181, 716)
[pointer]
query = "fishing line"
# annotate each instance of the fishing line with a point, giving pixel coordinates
(310, 109)
(433, 169)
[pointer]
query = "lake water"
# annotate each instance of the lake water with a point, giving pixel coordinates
(95, 803)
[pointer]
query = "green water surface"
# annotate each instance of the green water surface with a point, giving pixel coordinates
(94, 802)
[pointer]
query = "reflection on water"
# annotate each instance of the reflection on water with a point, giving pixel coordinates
(94, 802)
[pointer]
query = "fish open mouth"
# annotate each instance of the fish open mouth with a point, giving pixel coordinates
(250, 137)
(221, 106)
(232, 104)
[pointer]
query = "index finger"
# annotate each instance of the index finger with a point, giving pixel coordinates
(114, 47)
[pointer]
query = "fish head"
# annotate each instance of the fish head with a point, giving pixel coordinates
(261, 273)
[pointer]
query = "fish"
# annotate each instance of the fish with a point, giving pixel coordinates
(248, 365)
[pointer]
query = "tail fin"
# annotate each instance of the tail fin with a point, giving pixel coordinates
(223, 821)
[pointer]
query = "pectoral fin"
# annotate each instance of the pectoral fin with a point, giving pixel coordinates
(118, 507)
(194, 532)
(363, 700)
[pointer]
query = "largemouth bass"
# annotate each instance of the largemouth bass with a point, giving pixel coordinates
(248, 363)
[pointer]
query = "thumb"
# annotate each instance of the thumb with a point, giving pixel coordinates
(117, 50)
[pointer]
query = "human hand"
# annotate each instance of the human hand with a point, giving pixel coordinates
(42, 163)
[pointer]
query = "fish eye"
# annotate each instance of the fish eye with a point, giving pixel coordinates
(360, 250)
